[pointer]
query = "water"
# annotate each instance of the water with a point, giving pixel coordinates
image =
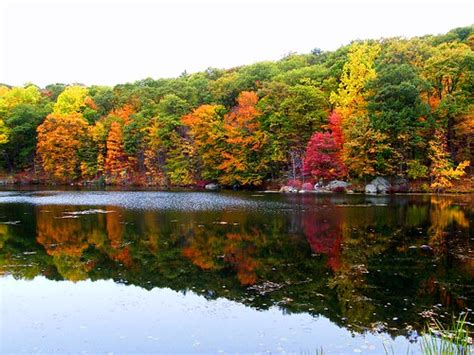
(181, 272)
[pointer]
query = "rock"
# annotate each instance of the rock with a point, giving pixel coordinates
(318, 185)
(288, 189)
(307, 186)
(381, 184)
(212, 186)
(425, 247)
(400, 185)
(370, 189)
(337, 186)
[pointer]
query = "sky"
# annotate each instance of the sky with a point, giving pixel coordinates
(106, 42)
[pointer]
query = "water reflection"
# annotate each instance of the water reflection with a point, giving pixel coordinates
(365, 263)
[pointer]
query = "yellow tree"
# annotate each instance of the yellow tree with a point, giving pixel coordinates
(72, 100)
(360, 148)
(59, 139)
(9, 99)
(206, 128)
(350, 99)
(442, 170)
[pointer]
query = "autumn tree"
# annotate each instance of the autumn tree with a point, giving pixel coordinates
(450, 72)
(206, 128)
(117, 163)
(442, 170)
(71, 100)
(59, 139)
(10, 99)
(322, 159)
(290, 114)
(243, 161)
(22, 109)
(362, 144)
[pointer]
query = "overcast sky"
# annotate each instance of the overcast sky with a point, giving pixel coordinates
(107, 42)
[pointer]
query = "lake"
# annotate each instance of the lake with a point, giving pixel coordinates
(231, 272)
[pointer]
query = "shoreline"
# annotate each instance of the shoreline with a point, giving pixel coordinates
(95, 187)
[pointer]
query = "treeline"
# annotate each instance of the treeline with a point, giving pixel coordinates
(390, 107)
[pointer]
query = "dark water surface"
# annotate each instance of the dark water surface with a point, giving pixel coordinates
(125, 272)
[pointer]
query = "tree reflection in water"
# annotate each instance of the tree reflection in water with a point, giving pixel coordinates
(364, 265)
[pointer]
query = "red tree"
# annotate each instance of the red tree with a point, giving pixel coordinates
(335, 125)
(322, 158)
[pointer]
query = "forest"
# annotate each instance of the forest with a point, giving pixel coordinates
(392, 107)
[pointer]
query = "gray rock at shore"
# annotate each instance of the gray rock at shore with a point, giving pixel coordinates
(212, 186)
(370, 189)
(381, 184)
(400, 185)
(288, 189)
(337, 185)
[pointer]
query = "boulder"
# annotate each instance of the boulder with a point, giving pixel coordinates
(381, 184)
(370, 189)
(400, 185)
(307, 186)
(288, 189)
(212, 186)
(337, 186)
(318, 186)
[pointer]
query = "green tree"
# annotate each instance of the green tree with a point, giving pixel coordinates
(396, 110)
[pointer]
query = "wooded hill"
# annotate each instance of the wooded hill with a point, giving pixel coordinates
(388, 107)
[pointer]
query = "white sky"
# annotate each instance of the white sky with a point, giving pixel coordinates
(107, 42)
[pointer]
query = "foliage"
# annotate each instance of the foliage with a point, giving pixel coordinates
(442, 171)
(117, 163)
(71, 100)
(416, 170)
(59, 140)
(243, 162)
(374, 104)
(322, 159)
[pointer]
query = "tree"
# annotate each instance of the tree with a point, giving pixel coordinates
(290, 114)
(117, 163)
(322, 159)
(243, 161)
(22, 122)
(181, 161)
(9, 100)
(450, 71)
(357, 71)
(442, 170)
(206, 128)
(335, 125)
(71, 100)
(396, 110)
(364, 149)
(59, 140)
(165, 138)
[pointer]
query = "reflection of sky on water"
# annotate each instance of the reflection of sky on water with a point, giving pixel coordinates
(188, 201)
(102, 316)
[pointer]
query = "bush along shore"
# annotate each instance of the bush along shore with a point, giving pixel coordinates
(386, 115)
